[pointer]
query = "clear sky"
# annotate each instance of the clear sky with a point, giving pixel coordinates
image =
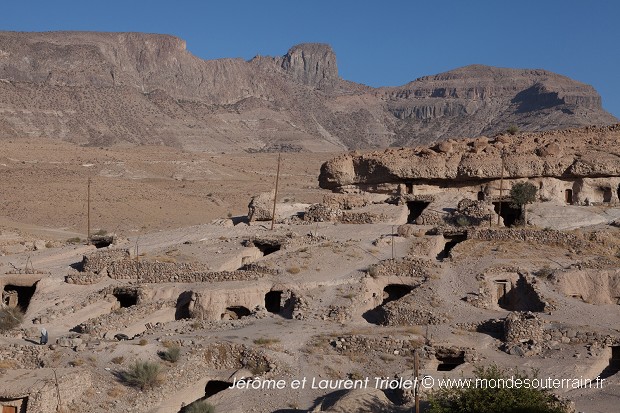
(378, 43)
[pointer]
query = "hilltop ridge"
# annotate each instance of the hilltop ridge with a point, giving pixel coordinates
(102, 89)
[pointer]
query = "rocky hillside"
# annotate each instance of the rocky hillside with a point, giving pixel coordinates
(111, 88)
(567, 154)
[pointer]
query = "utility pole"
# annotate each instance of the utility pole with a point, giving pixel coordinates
(416, 372)
(392, 242)
(88, 213)
(275, 196)
(501, 190)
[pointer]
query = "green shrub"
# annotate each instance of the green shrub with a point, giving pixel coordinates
(462, 221)
(199, 407)
(172, 354)
(10, 318)
(493, 400)
(513, 129)
(142, 374)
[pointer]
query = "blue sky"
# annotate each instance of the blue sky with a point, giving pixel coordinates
(379, 43)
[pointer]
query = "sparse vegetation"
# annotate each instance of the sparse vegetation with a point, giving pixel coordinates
(172, 354)
(74, 240)
(142, 374)
(118, 360)
(522, 194)
(10, 318)
(513, 129)
(493, 399)
(143, 342)
(200, 406)
(100, 232)
(462, 221)
(263, 341)
(293, 270)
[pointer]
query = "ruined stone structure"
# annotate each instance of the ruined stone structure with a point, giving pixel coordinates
(523, 333)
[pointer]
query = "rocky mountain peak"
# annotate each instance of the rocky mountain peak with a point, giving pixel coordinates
(313, 64)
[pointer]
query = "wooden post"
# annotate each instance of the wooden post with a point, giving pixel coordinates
(275, 195)
(392, 242)
(137, 260)
(501, 191)
(416, 372)
(88, 213)
(58, 398)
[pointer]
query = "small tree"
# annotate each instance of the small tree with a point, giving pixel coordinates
(523, 193)
(488, 397)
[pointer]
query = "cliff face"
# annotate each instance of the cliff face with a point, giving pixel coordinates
(311, 64)
(104, 88)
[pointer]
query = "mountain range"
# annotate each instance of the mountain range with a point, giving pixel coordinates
(102, 89)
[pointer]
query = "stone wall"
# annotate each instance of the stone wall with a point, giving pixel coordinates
(118, 265)
(226, 356)
(162, 272)
(545, 237)
(99, 260)
(403, 267)
(523, 333)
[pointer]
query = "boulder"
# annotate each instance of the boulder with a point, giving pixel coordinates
(260, 207)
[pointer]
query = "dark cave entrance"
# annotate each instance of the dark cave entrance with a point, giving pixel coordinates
(24, 295)
(522, 297)
(126, 297)
(267, 247)
(481, 196)
(568, 196)
(614, 364)
(101, 241)
(415, 210)
(607, 195)
(449, 360)
(236, 312)
(213, 387)
(182, 308)
(509, 214)
(273, 301)
(391, 292)
(451, 242)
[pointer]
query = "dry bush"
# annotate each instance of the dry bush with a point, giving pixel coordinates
(172, 354)
(263, 341)
(143, 375)
(293, 270)
(200, 406)
(116, 392)
(118, 360)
